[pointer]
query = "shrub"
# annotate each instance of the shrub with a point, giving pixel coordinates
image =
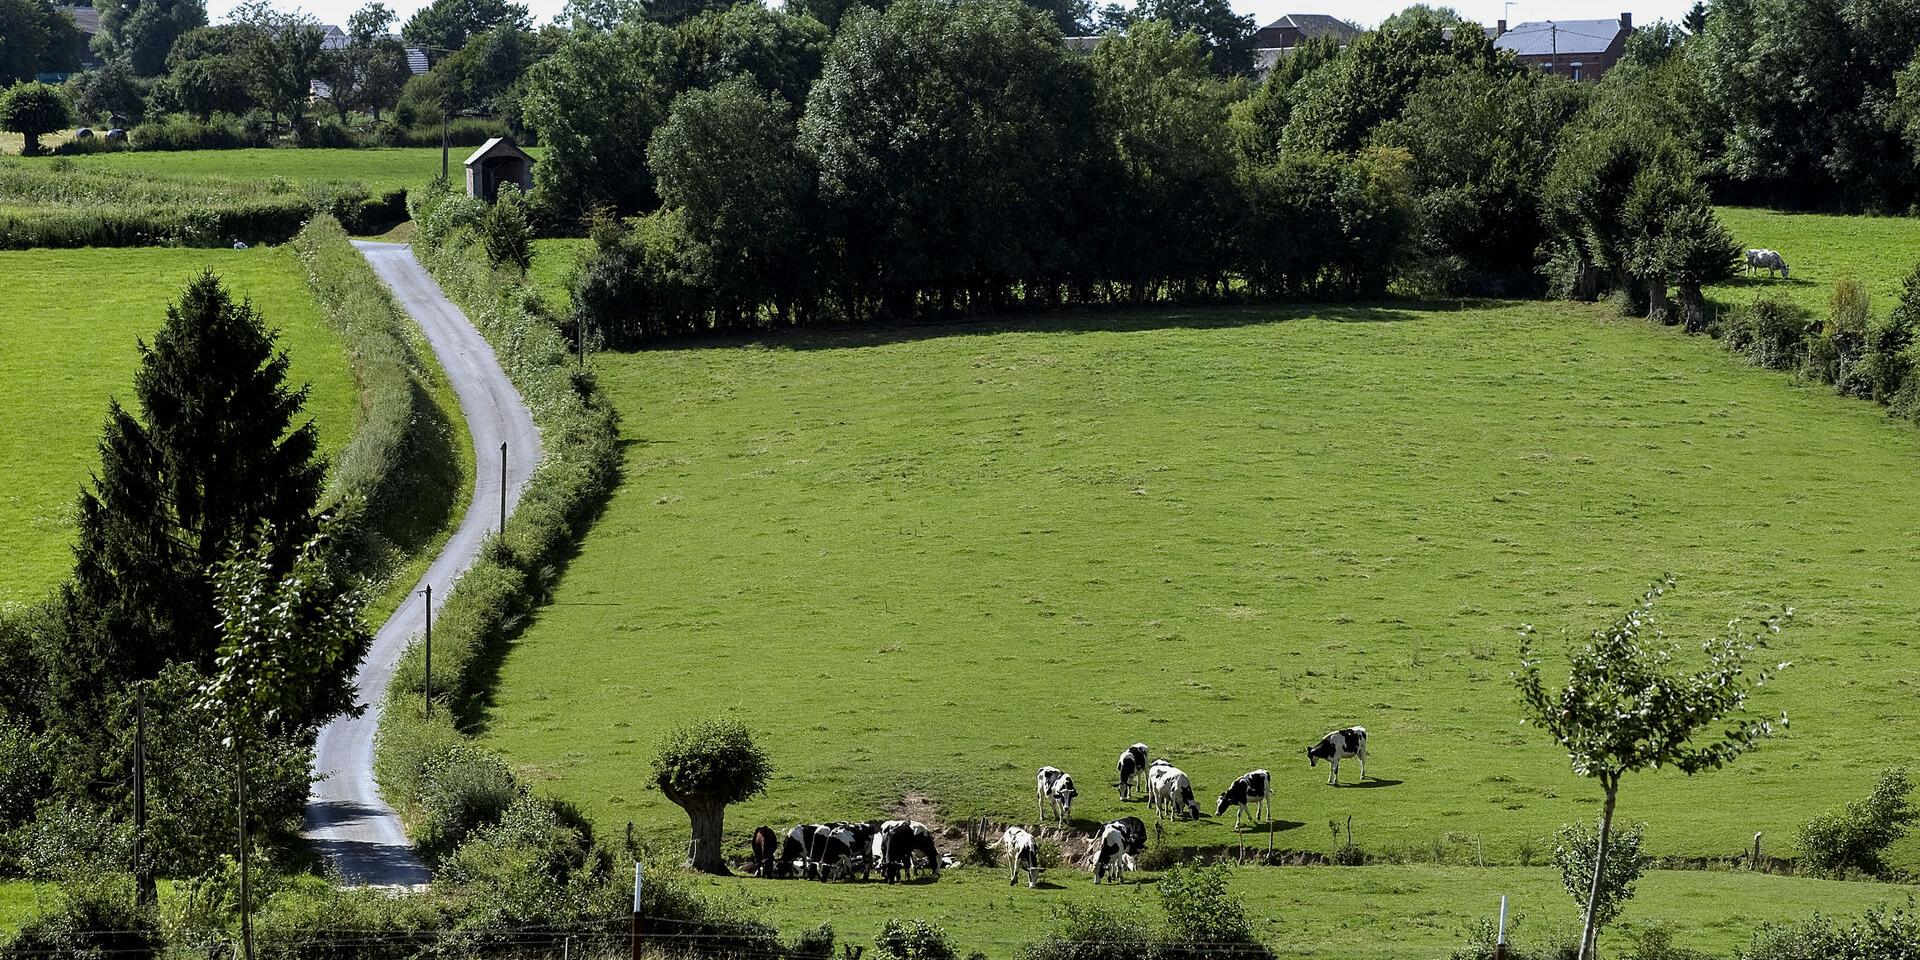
(1769, 332)
(505, 232)
(1887, 362)
(1833, 354)
(1654, 941)
(813, 944)
(1880, 935)
(1092, 930)
(92, 918)
(913, 940)
(1573, 852)
(461, 791)
(1483, 934)
(181, 132)
(1854, 837)
(312, 919)
(1203, 919)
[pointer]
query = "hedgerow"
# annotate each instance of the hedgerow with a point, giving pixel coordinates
(577, 471)
(396, 480)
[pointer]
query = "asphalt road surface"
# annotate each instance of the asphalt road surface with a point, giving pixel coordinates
(347, 821)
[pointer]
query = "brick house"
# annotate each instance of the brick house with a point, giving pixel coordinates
(1576, 49)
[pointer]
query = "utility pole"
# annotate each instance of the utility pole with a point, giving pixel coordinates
(145, 893)
(427, 681)
(503, 488)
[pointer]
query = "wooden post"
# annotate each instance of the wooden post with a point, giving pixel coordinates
(635, 937)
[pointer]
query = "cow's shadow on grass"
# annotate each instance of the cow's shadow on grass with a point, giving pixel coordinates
(1370, 783)
(1254, 830)
(1761, 281)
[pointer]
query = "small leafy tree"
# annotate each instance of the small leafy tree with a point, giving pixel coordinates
(281, 637)
(913, 940)
(1627, 706)
(1855, 836)
(702, 767)
(505, 231)
(1204, 919)
(1575, 852)
(32, 110)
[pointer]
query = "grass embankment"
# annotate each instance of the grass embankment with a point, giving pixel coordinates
(553, 260)
(71, 324)
(935, 559)
(1368, 913)
(1822, 248)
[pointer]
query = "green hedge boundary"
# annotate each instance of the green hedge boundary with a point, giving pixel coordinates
(578, 470)
(397, 483)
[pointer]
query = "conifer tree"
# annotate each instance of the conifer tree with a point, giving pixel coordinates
(214, 457)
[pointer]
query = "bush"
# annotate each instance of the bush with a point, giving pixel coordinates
(1853, 838)
(1769, 332)
(92, 918)
(1482, 936)
(1655, 942)
(461, 791)
(913, 940)
(1834, 353)
(312, 919)
(1888, 359)
(1880, 935)
(1573, 852)
(181, 132)
(505, 232)
(1092, 930)
(1203, 919)
(814, 944)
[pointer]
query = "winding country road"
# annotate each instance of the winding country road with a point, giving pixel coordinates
(347, 821)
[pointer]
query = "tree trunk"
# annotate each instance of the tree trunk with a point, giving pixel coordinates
(1590, 934)
(708, 818)
(1693, 307)
(1658, 306)
(240, 791)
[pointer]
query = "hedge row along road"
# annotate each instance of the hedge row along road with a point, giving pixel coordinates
(349, 823)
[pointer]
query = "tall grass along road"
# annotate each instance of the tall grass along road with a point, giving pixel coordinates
(347, 820)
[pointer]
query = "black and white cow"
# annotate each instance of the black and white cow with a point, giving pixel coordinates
(1023, 854)
(824, 850)
(1132, 766)
(1170, 792)
(766, 852)
(897, 841)
(1337, 746)
(1114, 849)
(1253, 787)
(1055, 789)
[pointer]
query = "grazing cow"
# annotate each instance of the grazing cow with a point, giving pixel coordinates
(766, 852)
(1133, 766)
(1337, 746)
(823, 850)
(1768, 260)
(1056, 789)
(1023, 854)
(1113, 851)
(1251, 788)
(1171, 793)
(895, 844)
(237, 245)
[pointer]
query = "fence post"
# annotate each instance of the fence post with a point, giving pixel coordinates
(1500, 941)
(635, 936)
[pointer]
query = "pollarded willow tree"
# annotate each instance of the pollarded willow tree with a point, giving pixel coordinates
(702, 767)
(1629, 705)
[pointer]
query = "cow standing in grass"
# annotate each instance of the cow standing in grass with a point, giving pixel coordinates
(1170, 792)
(895, 844)
(1337, 746)
(1254, 788)
(1116, 846)
(766, 852)
(1768, 260)
(1055, 789)
(1023, 854)
(1132, 767)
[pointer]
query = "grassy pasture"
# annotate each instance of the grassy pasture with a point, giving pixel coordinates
(1384, 913)
(378, 169)
(71, 325)
(553, 260)
(1822, 248)
(932, 560)
(19, 900)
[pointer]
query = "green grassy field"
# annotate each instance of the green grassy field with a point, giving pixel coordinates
(71, 324)
(1383, 913)
(553, 261)
(19, 900)
(379, 169)
(1877, 251)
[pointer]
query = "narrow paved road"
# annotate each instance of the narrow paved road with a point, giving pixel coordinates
(347, 821)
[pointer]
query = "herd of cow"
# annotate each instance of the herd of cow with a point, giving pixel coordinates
(842, 850)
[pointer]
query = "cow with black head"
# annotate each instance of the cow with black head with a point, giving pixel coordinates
(1253, 787)
(1132, 767)
(1338, 746)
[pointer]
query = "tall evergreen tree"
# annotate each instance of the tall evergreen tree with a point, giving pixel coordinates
(215, 455)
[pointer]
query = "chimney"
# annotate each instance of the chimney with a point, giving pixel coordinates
(1500, 29)
(1626, 21)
